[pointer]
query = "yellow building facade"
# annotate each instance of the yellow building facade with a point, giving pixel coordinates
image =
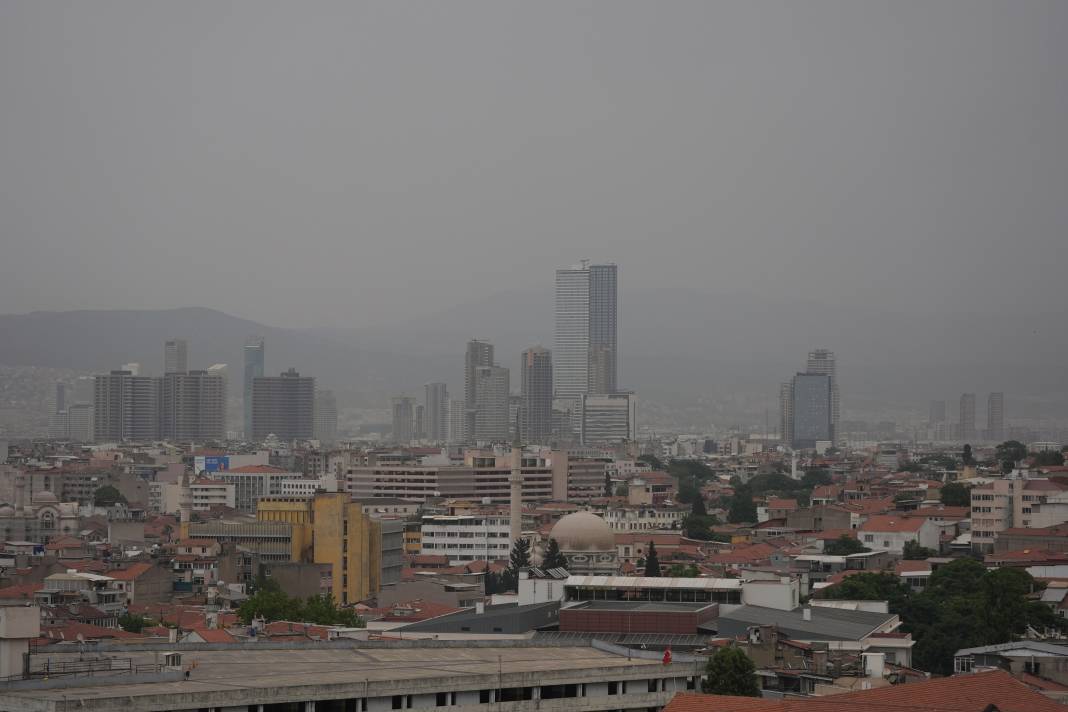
(340, 535)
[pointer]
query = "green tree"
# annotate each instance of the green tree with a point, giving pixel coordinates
(690, 469)
(958, 577)
(271, 606)
(955, 494)
(694, 527)
(520, 558)
(688, 491)
(869, 586)
(966, 456)
(108, 496)
(913, 551)
(554, 558)
(607, 485)
(741, 507)
(652, 562)
(731, 672)
(622, 490)
(844, 546)
(1009, 453)
(963, 606)
(816, 477)
(698, 509)
(1048, 459)
(683, 571)
(132, 623)
(772, 482)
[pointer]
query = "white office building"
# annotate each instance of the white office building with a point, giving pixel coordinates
(467, 537)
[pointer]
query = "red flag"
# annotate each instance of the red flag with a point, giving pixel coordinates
(667, 656)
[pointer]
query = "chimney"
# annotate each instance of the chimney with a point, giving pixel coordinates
(806, 613)
(172, 635)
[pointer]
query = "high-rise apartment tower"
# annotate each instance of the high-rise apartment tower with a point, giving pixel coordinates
(479, 354)
(403, 419)
(193, 406)
(436, 412)
(175, 356)
(254, 360)
(536, 408)
(283, 406)
(967, 416)
(995, 417)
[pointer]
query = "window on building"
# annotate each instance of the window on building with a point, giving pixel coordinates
(613, 688)
(1033, 668)
(554, 692)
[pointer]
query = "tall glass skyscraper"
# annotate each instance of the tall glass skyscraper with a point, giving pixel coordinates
(253, 369)
(809, 403)
(585, 352)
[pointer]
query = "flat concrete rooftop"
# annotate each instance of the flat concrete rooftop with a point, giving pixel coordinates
(644, 606)
(246, 675)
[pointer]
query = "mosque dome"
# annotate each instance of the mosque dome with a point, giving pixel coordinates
(6, 510)
(45, 497)
(583, 531)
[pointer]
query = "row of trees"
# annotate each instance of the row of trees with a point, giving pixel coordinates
(963, 606)
(272, 604)
(1010, 452)
(508, 580)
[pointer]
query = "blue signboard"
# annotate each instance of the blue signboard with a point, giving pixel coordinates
(214, 463)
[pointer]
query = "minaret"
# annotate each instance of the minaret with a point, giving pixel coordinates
(185, 499)
(793, 465)
(20, 495)
(515, 482)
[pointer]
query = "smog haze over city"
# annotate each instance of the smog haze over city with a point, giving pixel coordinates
(883, 179)
(588, 356)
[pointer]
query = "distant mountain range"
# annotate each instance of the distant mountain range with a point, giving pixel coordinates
(678, 346)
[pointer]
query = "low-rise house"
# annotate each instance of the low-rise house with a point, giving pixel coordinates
(1025, 657)
(892, 532)
(70, 587)
(144, 582)
(818, 518)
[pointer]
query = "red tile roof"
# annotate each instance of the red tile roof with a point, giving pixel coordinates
(418, 610)
(1028, 555)
(215, 636)
(71, 631)
(962, 693)
(276, 629)
(902, 567)
(1058, 530)
(130, 573)
(64, 542)
(20, 592)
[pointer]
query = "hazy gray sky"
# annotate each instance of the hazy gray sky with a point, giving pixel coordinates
(322, 163)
